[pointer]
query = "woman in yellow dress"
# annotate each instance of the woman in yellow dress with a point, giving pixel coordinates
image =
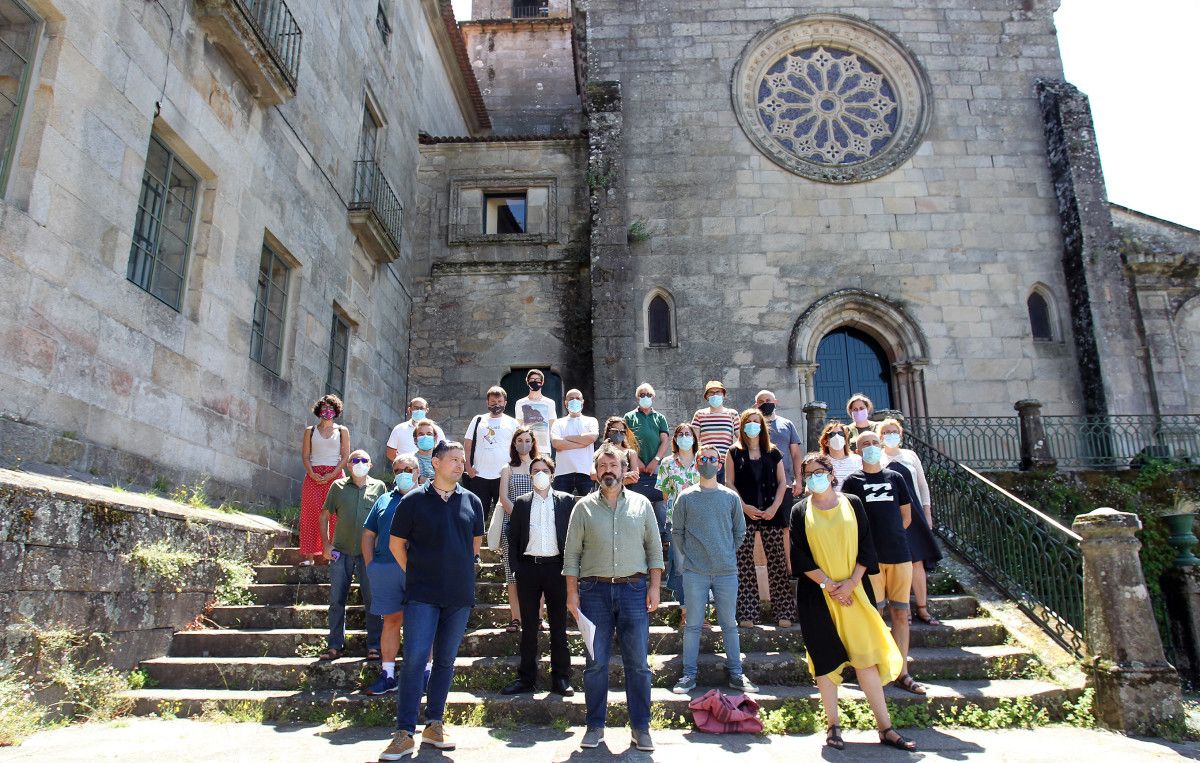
(831, 552)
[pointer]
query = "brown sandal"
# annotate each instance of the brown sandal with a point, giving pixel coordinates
(899, 742)
(833, 737)
(909, 684)
(331, 654)
(927, 618)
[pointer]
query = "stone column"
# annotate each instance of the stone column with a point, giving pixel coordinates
(1137, 690)
(807, 372)
(902, 381)
(814, 415)
(1035, 453)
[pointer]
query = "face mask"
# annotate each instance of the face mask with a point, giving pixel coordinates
(871, 454)
(535, 385)
(404, 481)
(645, 401)
(860, 416)
(685, 442)
(752, 429)
(360, 470)
(426, 442)
(768, 409)
(716, 400)
(891, 439)
(617, 438)
(837, 442)
(524, 447)
(574, 406)
(817, 483)
(707, 470)
(327, 413)
(541, 480)
(418, 414)
(496, 410)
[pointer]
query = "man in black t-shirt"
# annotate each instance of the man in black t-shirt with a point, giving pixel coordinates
(888, 505)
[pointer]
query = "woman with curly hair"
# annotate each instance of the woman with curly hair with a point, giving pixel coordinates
(324, 451)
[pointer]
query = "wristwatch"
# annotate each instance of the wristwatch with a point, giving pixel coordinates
(825, 582)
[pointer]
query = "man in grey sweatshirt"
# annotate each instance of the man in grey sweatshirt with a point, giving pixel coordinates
(707, 527)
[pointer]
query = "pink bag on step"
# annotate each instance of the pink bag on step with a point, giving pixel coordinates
(719, 713)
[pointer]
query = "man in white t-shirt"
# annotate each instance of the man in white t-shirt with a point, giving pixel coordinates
(487, 441)
(574, 437)
(401, 442)
(537, 411)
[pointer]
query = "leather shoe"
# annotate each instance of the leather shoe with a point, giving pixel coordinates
(562, 686)
(518, 687)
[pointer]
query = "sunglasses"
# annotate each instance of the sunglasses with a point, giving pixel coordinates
(404, 471)
(360, 460)
(708, 459)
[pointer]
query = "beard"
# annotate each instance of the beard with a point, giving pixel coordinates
(609, 479)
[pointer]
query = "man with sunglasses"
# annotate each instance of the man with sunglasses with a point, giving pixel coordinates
(350, 499)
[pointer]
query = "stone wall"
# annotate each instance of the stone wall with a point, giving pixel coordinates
(66, 548)
(491, 305)
(957, 236)
(91, 354)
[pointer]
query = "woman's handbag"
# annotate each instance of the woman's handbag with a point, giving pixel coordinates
(719, 713)
(495, 528)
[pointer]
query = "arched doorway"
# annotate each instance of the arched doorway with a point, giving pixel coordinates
(851, 361)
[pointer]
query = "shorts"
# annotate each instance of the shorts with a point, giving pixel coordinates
(892, 584)
(387, 587)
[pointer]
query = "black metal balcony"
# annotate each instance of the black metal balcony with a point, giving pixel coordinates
(261, 39)
(530, 9)
(278, 31)
(375, 211)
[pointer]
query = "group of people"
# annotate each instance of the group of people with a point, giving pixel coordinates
(597, 529)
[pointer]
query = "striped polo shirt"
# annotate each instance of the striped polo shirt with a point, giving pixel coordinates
(716, 428)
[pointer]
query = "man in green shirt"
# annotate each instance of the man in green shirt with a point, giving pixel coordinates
(613, 563)
(653, 443)
(349, 501)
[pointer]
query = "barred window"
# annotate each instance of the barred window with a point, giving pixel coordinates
(19, 30)
(339, 354)
(270, 311)
(162, 233)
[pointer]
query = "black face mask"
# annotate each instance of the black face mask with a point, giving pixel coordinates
(767, 408)
(535, 385)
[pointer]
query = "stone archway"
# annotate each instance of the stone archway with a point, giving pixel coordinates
(885, 321)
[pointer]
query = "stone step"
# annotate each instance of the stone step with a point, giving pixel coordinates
(955, 607)
(482, 674)
(546, 708)
(290, 555)
(489, 572)
(496, 642)
(318, 593)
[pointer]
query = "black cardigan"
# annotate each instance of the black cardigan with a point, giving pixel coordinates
(825, 647)
(518, 521)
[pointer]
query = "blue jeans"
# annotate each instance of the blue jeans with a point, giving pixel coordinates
(428, 626)
(575, 483)
(617, 608)
(674, 575)
(724, 589)
(340, 572)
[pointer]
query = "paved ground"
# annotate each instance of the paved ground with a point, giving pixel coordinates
(182, 741)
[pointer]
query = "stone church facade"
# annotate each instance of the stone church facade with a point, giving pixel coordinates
(214, 211)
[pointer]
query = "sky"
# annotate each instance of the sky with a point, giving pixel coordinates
(1130, 58)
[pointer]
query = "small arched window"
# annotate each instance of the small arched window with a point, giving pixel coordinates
(1039, 317)
(660, 329)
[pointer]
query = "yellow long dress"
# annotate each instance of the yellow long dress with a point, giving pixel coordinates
(833, 540)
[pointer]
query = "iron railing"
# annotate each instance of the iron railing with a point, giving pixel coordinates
(981, 442)
(1030, 556)
(278, 32)
(530, 9)
(1099, 441)
(373, 193)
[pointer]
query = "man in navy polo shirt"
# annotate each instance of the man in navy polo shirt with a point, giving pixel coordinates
(436, 535)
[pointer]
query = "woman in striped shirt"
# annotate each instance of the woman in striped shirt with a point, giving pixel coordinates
(716, 423)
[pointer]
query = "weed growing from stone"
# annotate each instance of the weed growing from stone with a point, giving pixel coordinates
(164, 561)
(560, 724)
(1079, 713)
(195, 495)
(160, 486)
(20, 714)
(1021, 712)
(233, 711)
(236, 579)
(140, 679)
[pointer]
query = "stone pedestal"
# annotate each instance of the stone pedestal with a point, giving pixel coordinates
(1035, 453)
(1137, 690)
(814, 416)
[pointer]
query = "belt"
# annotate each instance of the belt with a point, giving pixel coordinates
(626, 579)
(542, 559)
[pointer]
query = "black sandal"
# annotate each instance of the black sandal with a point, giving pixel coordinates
(909, 684)
(833, 737)
(373, 655)
(331, 654)
(899, 742)
(927, 618)
(513, 627)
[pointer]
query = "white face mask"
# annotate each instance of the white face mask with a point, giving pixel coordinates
(837, 442)
(541, 480)
(360, 470)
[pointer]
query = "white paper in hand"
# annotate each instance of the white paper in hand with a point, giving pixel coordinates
(587, 629)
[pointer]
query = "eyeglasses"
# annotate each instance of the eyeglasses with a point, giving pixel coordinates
(817, 471)
(360, 460)
(708, 459)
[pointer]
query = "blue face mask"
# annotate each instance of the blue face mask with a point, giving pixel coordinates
(418, 414)
(685, 442)
(574, 406)
(817, 483)
(892, 440)
(752, 429)
(404, 481)
(426, 442)
(871, 454)
(645, 401)
(716, 400)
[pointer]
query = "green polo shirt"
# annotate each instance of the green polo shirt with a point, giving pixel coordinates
(351, 504)
(603, 542)
(647, 427)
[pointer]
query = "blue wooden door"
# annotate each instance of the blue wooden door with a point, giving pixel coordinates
(851, 361)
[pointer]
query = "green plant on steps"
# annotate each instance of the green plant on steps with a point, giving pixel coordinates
(195, 495)
(161, 559)
(140, 679)
(234, 588)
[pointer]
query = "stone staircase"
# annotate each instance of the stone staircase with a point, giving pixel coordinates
(258, 654)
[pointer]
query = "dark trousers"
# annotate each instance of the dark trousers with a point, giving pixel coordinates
(576, 484)
(533, 581)
(488, 492)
